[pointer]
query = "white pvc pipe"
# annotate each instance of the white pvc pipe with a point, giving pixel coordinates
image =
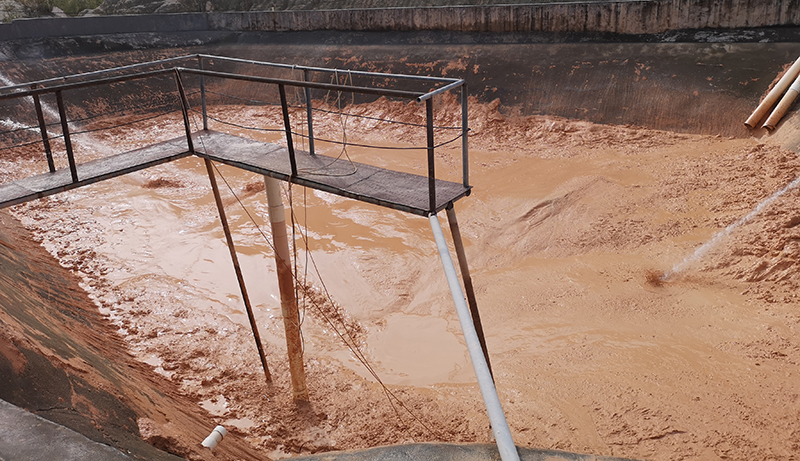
(214, 438)
(502, 433)
(773, 95)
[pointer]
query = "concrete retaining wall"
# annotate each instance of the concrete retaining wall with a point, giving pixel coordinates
(620, 17)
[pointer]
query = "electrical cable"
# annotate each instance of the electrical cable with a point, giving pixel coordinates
(318, 109)
(350, 341)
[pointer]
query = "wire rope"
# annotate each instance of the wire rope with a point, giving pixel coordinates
(349, 340)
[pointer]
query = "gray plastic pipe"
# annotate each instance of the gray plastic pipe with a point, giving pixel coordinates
(502, 434)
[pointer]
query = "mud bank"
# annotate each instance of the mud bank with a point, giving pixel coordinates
(61, 359)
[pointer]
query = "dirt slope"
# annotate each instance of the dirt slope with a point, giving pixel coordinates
(62, 360)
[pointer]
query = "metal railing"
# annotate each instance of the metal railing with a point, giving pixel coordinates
(205, 69)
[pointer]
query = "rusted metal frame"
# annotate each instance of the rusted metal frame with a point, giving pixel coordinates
(328, 70)
(66, 85)
(309, 114)
(102, 81)
(64, 79)
(330, 189)
(439, 91)
(185, 111)
(288, 125)
(91, 180)
(298, 83)
(464, 135)
(43, 130)
(458, 243)
(62, 114)
(431, 157)
(202, 92)
(237, 269)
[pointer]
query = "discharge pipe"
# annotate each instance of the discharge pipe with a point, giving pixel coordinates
(773, 95)
(502, 433)
(783, 106)
(215, 437)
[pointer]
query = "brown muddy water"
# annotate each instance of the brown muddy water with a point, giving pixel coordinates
(566, 221)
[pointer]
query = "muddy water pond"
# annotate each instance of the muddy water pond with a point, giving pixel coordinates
(566, 221)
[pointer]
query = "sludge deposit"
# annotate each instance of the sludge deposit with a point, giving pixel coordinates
(567, 222)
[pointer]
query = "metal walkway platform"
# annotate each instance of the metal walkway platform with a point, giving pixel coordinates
(393, 189)
(42, 185)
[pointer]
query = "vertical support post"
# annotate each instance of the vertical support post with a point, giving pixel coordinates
(309, 115)
(497, 418)
(237, 269)
(464, 135)
(431, 167)
(291, 316)
(62, 114)
(43, 129)
(202, 92)
(185, 110)
(287, 124)
(461, 255)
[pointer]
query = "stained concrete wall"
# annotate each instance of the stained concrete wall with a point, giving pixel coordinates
(619, 17)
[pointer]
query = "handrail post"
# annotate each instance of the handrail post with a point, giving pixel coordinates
(464, 135)
(288, 125)
(202, 92)
(43, 129)
(309, 115)
(185, 110)
(431, 167)
(62, 113)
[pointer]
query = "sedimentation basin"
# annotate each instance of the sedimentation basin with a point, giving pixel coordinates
(647, 64)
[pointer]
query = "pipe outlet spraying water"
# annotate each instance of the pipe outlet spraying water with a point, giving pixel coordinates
(706, 247)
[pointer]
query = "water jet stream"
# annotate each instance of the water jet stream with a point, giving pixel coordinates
(703, 249)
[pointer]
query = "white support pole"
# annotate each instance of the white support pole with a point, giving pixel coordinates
(502, 433)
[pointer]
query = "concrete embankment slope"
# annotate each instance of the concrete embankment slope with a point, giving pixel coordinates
(60, 359)
(700, 86)
(616, 17)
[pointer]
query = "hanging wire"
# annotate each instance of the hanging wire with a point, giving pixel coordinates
(343, 123)
(348, 338)
(94, 130)
(330, 141)
(336, 112)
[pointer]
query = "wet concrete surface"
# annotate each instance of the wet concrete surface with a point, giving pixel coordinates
(32, 438)
(449, 452)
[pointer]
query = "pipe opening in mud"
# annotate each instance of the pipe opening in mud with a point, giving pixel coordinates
(656, 278)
